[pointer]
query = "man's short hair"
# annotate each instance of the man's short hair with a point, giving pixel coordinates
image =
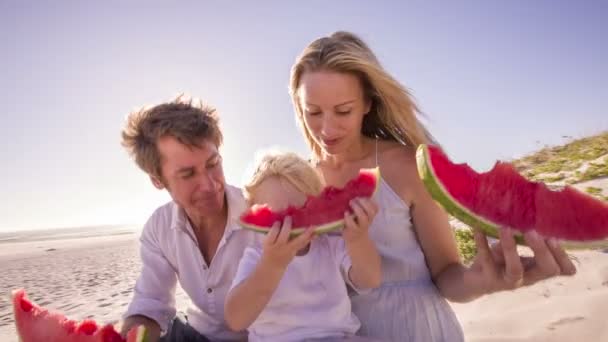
(189, 121)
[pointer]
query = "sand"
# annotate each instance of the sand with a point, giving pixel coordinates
(94, 277)
(558, 309)
(83, 278)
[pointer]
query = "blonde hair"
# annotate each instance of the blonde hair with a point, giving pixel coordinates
(393, 113)
(288, 166)
(186, 120)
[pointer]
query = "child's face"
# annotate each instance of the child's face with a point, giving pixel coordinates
(277, 193)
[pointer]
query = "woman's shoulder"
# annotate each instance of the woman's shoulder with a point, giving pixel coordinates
(398, 168)
(395, 157)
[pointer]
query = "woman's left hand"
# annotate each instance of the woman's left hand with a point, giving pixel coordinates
(500, 267)
(356, 225)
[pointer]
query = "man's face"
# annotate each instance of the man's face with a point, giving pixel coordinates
(193, 176)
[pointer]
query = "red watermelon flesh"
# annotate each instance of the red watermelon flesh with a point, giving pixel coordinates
(502, 197)
(35, 323)
(324, 212)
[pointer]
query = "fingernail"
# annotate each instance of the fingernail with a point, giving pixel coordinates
(554, 243)
(534, 235)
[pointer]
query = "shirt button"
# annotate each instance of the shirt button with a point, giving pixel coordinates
(209, 290)
(204, 267)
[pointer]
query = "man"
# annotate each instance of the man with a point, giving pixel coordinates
(195, 238)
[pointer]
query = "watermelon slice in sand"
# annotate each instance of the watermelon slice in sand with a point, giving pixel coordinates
(323, 213)
(502, 197)
(36, 324)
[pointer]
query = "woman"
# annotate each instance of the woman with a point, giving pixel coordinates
(355, 115)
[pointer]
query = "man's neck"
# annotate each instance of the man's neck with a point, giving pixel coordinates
(208, 231)
(209, 224)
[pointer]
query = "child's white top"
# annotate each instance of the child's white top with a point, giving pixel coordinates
(311, 300)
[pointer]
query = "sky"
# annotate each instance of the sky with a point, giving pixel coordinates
(495, 79)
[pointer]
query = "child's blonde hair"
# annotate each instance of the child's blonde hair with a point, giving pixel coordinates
(288, 166)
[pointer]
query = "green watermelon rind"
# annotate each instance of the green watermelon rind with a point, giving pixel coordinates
(141, 334)
(460, 212)
(325, 228)
(321, 229)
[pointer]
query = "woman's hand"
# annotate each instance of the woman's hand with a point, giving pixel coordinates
(356, 225)
(366, 268)
(500, 267)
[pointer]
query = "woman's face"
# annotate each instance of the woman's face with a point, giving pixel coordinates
(333, 106)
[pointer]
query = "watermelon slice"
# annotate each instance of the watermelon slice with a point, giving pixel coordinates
(324, 213)
(502, 197)
(35, 324)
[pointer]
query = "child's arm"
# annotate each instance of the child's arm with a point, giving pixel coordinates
(245, 301)
(366, 270)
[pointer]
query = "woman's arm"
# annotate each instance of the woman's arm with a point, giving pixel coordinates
(366, 270)
(431, 225)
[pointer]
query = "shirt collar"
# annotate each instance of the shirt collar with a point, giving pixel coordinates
(236, 206)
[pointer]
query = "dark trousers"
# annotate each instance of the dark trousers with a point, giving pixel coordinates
(180, 331)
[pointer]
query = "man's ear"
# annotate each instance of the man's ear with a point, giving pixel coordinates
(157, 182)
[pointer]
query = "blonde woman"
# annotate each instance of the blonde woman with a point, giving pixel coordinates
(294, 290)
(355, 115)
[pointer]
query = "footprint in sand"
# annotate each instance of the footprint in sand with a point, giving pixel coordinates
(566, 320)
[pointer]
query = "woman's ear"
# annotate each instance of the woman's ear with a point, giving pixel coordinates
(368, 106)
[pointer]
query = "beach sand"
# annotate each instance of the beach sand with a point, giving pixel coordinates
(558, 309)
(94, 277)
(89, 277)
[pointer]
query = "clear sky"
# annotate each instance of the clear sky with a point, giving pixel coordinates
(497, 79)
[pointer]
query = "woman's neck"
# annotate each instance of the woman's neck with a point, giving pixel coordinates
(357, 152)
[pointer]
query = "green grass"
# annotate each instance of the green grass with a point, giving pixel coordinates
(594, 171)
(593, 190)
(553, 179)
(568, 157)
(466, 244)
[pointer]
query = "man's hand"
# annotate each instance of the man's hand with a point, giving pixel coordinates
(152, 328)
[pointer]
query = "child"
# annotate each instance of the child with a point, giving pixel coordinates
(292, 290)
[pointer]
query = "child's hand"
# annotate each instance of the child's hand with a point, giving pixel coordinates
(357, 225)
(278, 250)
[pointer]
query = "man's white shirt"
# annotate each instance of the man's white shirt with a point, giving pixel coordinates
(170, 252)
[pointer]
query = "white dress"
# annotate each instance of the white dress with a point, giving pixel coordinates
(407, 306)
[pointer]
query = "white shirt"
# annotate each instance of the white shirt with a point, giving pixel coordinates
(311, 300)
(170, 252)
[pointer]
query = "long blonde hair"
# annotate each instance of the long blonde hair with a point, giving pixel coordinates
(393, 114)
(288, 166)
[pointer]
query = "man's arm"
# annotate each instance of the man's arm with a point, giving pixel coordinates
(153, 303)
